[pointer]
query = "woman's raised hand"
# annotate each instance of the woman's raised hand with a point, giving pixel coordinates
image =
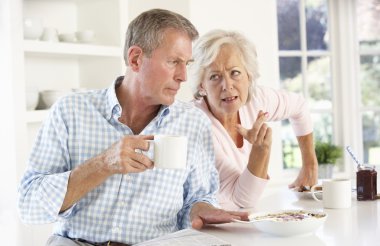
(260, 136)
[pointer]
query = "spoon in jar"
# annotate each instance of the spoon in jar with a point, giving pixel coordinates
(359, 165)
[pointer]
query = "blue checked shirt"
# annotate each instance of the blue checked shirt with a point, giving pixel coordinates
(127, 208)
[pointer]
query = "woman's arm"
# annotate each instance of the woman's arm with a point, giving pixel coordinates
(308, 174)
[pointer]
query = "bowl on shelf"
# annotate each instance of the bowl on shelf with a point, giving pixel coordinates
(49, 97)
(86, 36)
(32, 96)
(33, 28)
(79, 89)
(67, 37)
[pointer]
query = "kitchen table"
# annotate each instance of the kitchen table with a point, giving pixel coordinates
(358, 225)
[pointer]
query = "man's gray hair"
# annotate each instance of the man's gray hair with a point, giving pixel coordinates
(147, 30)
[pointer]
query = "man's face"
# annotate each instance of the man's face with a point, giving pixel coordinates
(161, 75)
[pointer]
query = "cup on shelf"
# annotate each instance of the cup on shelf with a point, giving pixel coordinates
(32, 97)
(49, 34)
(33, 28)
(49, 97)
(67, 37)
(85, 36)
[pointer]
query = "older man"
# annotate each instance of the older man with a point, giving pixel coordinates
(84, 172)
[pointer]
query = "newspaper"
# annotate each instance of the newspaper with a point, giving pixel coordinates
(186, 237)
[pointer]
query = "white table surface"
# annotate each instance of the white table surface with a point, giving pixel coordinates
(358, 225)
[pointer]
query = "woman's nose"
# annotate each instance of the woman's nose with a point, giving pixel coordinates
(227, 83)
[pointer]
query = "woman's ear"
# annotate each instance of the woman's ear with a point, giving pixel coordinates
(134, 57)
(201, 91)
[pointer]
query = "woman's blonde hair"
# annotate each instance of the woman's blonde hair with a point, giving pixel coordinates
(207, 48)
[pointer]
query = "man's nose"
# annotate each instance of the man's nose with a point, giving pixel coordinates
(181, 72)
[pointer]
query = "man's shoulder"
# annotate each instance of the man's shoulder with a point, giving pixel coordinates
(77, 102)
(84, 96)
(188, 109)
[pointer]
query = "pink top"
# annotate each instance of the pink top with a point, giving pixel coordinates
(238, 186)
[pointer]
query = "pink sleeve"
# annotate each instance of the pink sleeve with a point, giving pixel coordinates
(239, 188)
(283, 104)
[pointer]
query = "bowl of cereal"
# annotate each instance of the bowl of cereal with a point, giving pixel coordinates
(287, 223)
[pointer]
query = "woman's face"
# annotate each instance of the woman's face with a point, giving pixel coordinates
(226, 83)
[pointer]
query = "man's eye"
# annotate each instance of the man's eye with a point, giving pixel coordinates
(173, 62)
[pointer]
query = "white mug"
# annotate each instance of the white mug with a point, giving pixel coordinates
(336, 193)
(49, 34)
(168, 151)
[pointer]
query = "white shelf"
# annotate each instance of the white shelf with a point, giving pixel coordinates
(36, 116)
(65, 49)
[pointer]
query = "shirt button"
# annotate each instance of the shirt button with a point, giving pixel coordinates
(122, 203)
(116, 229)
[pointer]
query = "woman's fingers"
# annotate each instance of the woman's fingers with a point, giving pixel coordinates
(255, 133)
(268, 136)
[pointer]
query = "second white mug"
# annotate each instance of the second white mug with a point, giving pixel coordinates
(336, 193)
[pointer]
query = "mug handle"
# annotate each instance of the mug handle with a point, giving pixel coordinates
(312, 191)
(150, 152)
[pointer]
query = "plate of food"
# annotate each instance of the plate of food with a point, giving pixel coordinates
(287, 222)
(305, 193)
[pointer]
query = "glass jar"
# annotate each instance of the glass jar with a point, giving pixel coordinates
(366, 183)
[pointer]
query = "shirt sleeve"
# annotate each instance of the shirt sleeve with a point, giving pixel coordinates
(203, 181)
(237, 189)
(282, 105)
(44, 184)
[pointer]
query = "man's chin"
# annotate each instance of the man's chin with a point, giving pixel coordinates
(168, 101)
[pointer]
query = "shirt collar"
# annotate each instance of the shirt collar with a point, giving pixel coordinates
(164, 111)
(113, 105)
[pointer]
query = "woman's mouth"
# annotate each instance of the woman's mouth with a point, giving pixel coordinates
(229, 99)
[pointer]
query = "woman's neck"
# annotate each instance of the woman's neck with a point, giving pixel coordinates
(229, 122)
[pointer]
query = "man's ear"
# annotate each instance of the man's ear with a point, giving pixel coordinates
(135, 54)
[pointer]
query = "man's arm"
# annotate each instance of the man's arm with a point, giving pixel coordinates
(204, 213)
(119, 158)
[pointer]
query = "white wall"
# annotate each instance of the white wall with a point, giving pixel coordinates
(9, 224)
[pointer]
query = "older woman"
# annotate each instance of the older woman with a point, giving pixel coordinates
(224, 81)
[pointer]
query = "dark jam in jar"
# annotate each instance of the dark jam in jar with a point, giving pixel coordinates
(366, 182)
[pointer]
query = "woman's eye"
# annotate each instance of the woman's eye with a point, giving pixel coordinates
(235, 73)
(214, 77)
